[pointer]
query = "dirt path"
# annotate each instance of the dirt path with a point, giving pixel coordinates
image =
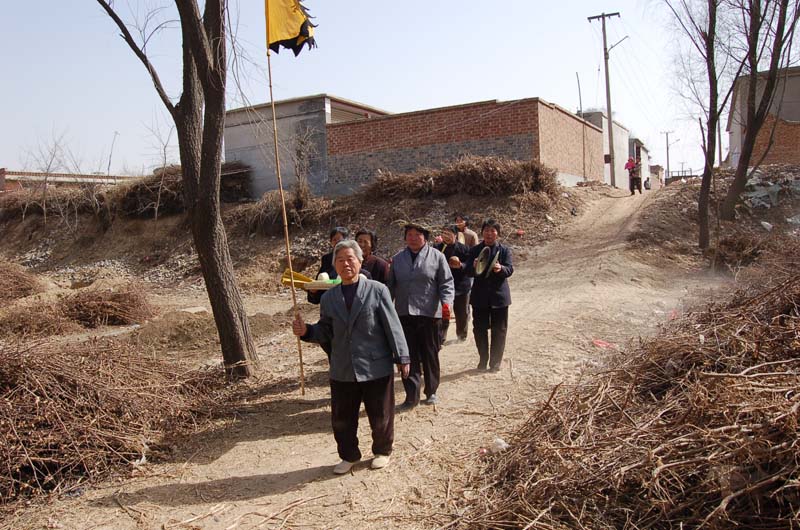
(272, 468)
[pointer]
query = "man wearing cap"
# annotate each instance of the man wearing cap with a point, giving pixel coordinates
(420, 282)
(490, 296)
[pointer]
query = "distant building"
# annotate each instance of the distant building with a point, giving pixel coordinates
(621, 141)
(346, 143)
(15, 180)
(782, 123)
(657, 174)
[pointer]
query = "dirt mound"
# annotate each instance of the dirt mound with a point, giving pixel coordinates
(178, 330)
(75, 412)
(696, 427)
(670, 222)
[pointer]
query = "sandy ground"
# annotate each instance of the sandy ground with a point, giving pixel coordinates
(271, 467)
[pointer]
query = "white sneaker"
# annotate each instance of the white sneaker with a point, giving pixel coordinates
(380, 461)
(343, 467)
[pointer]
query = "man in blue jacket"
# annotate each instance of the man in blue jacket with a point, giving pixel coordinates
(421, 282)
(490, 297)
(359, 321)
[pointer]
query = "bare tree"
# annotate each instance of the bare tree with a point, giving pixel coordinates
(767, 29)
(699, 23)
(199, 117)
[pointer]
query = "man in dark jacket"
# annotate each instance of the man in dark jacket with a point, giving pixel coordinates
(358, 319)
(490, 296)
(457, 255)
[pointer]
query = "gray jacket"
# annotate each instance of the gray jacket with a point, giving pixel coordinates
(421, 287)
(364, 339)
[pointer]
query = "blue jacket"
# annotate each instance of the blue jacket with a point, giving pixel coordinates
(367, 340)
(490, 289)
(421, 287)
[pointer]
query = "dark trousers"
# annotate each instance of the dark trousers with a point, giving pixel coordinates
(461, 311)
(635, 184)
(422, 336)
(378, 398)
(484, 319)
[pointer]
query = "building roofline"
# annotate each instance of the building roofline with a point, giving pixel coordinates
(787, 72)
(331, 97)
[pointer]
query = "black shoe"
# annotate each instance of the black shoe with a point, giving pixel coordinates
(462, 339)
(494, 368)
(406, 406)
(482, 366)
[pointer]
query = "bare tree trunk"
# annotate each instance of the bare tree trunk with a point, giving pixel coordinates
(199, 118)
(710, 145)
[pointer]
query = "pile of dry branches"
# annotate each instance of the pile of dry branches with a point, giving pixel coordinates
(265, 215)
(472, 175)
(697, 427)
(16, 282)
(39, 320)
(119, 307)
(72, 413)
(158, 194)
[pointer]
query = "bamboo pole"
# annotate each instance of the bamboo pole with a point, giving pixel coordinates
(285, 218)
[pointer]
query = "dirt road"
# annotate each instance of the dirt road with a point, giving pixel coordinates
(272, 467)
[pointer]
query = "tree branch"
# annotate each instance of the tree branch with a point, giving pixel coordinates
(126, 35)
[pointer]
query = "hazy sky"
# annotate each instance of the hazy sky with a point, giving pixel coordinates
(66, 72)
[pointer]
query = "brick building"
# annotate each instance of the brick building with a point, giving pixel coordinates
(351, 141)
(782, 125)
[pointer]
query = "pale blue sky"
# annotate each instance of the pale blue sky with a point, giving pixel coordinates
(65, 70)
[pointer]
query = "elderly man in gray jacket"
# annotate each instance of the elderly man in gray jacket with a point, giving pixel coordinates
(358, 319)
(421, 282)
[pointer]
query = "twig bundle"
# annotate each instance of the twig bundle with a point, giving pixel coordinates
(16, 282)
(40, 320)
(698, 427)
(72, 413)
(93, 308)
(473, 175)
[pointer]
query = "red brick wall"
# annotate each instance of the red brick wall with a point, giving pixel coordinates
(475, 121)
(568, 144)
(785, 147)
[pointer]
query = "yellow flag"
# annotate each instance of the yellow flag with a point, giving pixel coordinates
(288, 25)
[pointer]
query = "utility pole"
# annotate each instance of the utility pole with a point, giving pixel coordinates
(111, 152)
(666, 177)
(602, 18)
(583, 124)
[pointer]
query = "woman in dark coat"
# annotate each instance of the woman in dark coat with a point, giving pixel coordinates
(457, 255)
(490, 297)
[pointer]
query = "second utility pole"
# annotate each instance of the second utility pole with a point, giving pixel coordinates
(603, 17)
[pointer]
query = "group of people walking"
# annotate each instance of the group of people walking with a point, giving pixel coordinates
(397, 312)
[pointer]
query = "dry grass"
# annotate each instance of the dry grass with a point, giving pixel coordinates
(472, 175)
(16, 282)
(73, 413)
(93, 308)
(696, 427)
